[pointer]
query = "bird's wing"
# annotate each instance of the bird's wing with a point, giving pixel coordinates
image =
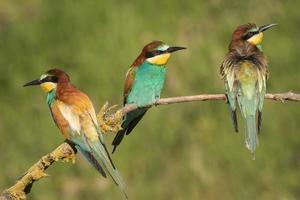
(228, 75)
(79, 112)
(69, 125)
(129, 81)
(85, 132)
(59, 119)
(262, 77)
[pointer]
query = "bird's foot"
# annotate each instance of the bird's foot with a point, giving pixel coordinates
(110, 122)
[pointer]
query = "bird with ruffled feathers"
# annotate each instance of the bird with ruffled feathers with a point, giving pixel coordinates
(245, 71)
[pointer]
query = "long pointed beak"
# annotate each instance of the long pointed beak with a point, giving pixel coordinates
(265, 27)
(34, 82)
(173, 49)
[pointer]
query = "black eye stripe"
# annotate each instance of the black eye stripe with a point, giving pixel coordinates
(154, 53)
(249, 35)
(52, 79)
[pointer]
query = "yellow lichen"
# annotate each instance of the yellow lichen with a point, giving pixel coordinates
(108, 121)
(64, 152)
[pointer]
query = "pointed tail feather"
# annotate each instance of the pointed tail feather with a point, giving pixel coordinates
(118, 138)
(131, 120)
(87, 155)
(234, 120)
(259, 121)
(248, 107)
(231, 102)
(101, 152)
(251, 133)
(98, 148)
(138, 115)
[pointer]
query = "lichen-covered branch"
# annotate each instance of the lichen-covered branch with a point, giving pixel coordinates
(109, 122)
(65, 152)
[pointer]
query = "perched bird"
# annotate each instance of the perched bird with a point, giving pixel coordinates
(74, 115)
(244, 71)
(144, 83)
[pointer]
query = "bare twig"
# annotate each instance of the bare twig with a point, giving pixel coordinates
(288, 96)
(65, 152)
(108, 123)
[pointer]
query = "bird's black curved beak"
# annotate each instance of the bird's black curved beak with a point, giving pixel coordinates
(173, 49)
(34, 82)
(265, 27)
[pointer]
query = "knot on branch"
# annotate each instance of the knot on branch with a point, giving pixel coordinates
(288, 96)
(109, 121)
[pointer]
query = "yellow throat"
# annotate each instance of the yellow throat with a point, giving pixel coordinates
(159, 59)
(256, 39)
(48, 86)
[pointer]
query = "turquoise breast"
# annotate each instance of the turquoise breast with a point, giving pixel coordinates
(148, 84)
(51, 97)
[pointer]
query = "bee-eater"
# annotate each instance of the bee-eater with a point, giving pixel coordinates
(244, 71)
(74, 115)
(144, 83)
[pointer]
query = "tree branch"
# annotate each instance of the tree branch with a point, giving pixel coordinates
(65, 152)
(288, 96)
(108, 123)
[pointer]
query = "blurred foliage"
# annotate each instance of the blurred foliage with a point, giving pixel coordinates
(183, 151)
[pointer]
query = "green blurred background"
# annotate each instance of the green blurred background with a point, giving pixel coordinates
(182, 151)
